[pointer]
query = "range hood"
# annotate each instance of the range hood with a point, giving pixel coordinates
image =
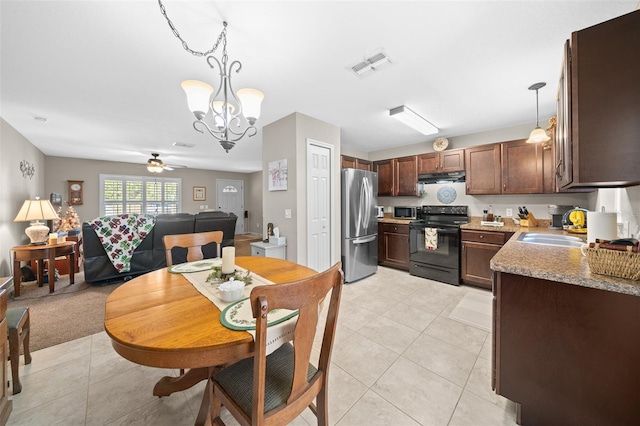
(442, 177)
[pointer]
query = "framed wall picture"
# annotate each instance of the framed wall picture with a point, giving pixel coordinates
(278, 175)
(199, 193)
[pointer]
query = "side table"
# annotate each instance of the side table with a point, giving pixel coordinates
(40, 253)
(269, 250)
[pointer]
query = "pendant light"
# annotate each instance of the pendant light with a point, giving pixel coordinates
(538, 134)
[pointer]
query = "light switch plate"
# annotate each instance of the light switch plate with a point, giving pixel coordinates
(509, 213)
(287, 213)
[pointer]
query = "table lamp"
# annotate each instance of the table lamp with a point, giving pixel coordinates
(36, 210)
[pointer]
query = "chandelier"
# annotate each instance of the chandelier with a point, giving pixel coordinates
(234, 114)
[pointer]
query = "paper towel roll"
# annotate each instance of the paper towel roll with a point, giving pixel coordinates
(602, 225)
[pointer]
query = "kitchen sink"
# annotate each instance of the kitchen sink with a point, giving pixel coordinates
(551, 239)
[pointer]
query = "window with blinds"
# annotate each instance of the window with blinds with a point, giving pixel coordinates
(139, 194)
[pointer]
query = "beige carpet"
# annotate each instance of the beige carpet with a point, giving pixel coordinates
(475, 309)
(72, 311)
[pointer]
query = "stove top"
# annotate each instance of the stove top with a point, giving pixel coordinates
(450, 215)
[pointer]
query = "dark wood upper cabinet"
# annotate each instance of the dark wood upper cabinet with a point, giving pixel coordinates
(521, 167)
(483, 169)
(599, 106)
(406, 175)
(364, 164)
(348, 162)
(386, 176)
(441, 162)
(356, 163)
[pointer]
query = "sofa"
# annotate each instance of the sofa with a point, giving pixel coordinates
(150, 254)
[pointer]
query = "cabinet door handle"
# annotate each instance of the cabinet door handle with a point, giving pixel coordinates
(504, 186)
(481, 236)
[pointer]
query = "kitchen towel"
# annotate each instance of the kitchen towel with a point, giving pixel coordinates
(602, 225)
(430, 238)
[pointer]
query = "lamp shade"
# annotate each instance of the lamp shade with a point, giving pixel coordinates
(198, 94)
(251, 100)
(411, 119)
(538, 135)
(36, 210)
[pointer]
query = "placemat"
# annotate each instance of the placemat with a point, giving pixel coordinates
(195, 266)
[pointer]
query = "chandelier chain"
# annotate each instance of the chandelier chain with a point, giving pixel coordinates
(222, 37)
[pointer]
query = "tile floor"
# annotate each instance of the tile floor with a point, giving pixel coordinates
(398, 360)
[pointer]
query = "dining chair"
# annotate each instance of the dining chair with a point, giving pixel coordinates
(183, 248)
(275, 389)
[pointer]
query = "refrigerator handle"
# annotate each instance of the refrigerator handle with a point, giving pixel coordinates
(364, 240)
(366, 188)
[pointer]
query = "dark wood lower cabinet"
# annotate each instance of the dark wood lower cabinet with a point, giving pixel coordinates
(478, 247)
(393, 245)
(569, 355)
(5, 402)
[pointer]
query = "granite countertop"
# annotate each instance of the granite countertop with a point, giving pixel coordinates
(474, 224)
(392, 220)
(554, 263)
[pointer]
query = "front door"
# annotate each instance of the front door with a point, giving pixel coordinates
(230, 199)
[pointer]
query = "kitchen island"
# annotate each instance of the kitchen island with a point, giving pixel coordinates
(566, 342)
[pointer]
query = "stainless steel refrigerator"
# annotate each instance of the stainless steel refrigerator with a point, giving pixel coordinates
(359, 224)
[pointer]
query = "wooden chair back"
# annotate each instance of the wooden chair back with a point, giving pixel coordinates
(305, 295)
(192, 242)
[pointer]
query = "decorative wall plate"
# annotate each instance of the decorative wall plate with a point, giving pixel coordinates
(447, 195)
(441, 144)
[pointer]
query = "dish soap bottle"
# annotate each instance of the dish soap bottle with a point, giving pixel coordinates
(485, 215)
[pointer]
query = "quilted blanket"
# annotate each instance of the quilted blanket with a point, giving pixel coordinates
(121, 235)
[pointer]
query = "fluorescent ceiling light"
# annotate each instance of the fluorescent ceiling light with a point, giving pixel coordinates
(411, 119)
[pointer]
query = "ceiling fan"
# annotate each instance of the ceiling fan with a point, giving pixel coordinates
(155, 165)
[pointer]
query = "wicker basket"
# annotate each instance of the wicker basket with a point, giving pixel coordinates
(616, 263)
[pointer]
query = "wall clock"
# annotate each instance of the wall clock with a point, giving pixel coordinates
(75, 192)
(441, 144)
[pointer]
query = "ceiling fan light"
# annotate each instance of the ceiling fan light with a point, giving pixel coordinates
(155, 168)
(251, 100)
(413, 120)
(198, 94)
(538, 135)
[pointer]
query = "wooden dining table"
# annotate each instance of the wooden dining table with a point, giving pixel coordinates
(159, 319)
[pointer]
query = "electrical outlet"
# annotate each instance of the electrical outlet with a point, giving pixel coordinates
(509, 213)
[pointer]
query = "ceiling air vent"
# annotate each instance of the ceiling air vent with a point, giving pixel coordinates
(184, 144)
(368, 65)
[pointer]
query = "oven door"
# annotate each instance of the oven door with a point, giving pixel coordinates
(447, 253)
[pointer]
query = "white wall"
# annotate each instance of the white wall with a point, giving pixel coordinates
(15, 189)
(287, 138)
(253, 203)
(61, 169)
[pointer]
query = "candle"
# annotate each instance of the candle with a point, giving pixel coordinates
(228, 260)
(53, 238)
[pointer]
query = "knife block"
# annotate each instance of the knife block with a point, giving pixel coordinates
(530, 221)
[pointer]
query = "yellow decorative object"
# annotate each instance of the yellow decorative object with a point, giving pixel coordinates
(577, 218)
